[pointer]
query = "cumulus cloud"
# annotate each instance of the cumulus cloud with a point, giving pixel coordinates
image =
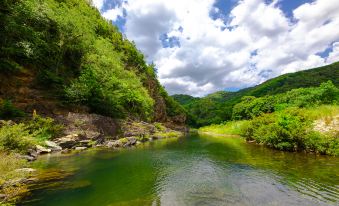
(197, 54)
(113, 14)
(98, 3)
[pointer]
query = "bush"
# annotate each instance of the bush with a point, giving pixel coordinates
(290, 130)
(16, 137)
(9, 111)
(251, 107)
(43, 128)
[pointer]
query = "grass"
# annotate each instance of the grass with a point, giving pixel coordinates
(9, 163)
(227, 128)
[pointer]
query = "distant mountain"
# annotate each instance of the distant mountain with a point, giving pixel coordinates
(217, 107)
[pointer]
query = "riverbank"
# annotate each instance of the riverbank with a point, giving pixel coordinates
(196, 169)
(21, 143)
(314, 130)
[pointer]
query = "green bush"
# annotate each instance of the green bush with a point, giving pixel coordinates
(9, 111)
(291, 130)
(43, 128)
(21, 137)
(251, 107)
(16, 137)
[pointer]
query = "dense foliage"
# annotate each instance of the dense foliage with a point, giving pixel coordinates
(291, 130)
(289, 121)
(218, 107)
(20, 137)
(251, 107)
(80, 56)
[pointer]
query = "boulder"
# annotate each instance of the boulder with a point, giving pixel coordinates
(92, 135)
(132, 140)
(42, 150)
(53, 146)
(2, 197)
(68, 141)
(116, 143)
(84, 143)
(33, 153)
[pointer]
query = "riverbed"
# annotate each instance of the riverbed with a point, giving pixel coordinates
(192, 170)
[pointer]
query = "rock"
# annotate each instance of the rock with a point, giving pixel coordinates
(2, 197)
(92, 135)
(116, 143)
(33, 153)
(42, 150)
(53, 146)
(28, 157)
(27, 170)
(138, 143)
(68, 141)
(80, 148)
(85, 143)
(132, 140)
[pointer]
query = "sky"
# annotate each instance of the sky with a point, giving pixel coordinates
(203, 46)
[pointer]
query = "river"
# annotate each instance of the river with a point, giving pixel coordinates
(193, 170)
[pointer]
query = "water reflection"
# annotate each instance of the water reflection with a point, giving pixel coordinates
(197, 170)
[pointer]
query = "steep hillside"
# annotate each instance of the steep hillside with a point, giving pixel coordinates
(218, 106)
(61, 55)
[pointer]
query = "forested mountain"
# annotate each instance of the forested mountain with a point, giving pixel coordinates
(61, 53)
(217, 107)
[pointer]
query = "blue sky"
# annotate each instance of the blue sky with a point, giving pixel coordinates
(202, 46)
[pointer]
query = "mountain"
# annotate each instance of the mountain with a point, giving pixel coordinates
(62, 55)
(217, 107)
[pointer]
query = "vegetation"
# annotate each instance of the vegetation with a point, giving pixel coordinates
(218, 107)
(9, 111)
(70, 48)
(251, 106)
(289, 121)
(226, 128)
(9, 167)
(291, 130)
(23, 136)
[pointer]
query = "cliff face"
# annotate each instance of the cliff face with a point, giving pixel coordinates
(62, 56)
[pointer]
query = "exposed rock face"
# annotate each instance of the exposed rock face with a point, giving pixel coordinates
(88, 126)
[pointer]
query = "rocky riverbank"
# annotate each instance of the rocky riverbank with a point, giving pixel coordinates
(81, 132)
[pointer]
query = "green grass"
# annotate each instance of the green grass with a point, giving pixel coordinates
(9, 163)
(227, 128)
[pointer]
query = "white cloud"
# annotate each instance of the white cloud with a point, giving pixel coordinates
(113, 14)
(334, 55)
(257, 42)
(98, 3)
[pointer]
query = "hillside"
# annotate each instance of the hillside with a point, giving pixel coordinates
(60, 56)
(207, 110)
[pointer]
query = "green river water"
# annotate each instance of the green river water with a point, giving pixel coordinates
(193, 170)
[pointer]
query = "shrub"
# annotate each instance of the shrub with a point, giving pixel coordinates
(43, 128)
(291, 130)
(16, 137)
(8, 110)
